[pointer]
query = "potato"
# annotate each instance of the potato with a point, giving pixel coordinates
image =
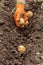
(30, 14)
(21, 48)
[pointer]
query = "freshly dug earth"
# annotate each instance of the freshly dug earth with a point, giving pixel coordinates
(11, 36)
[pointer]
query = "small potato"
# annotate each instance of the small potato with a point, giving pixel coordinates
(30, 14)
(21, 21)
(26, 23)
(21, 48)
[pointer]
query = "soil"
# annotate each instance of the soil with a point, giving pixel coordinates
(11, 36)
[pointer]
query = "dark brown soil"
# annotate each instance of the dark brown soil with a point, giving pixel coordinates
(11, 36)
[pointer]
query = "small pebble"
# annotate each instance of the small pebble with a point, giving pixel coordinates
(38, 53)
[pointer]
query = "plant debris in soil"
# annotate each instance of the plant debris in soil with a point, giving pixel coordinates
(11, 36)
